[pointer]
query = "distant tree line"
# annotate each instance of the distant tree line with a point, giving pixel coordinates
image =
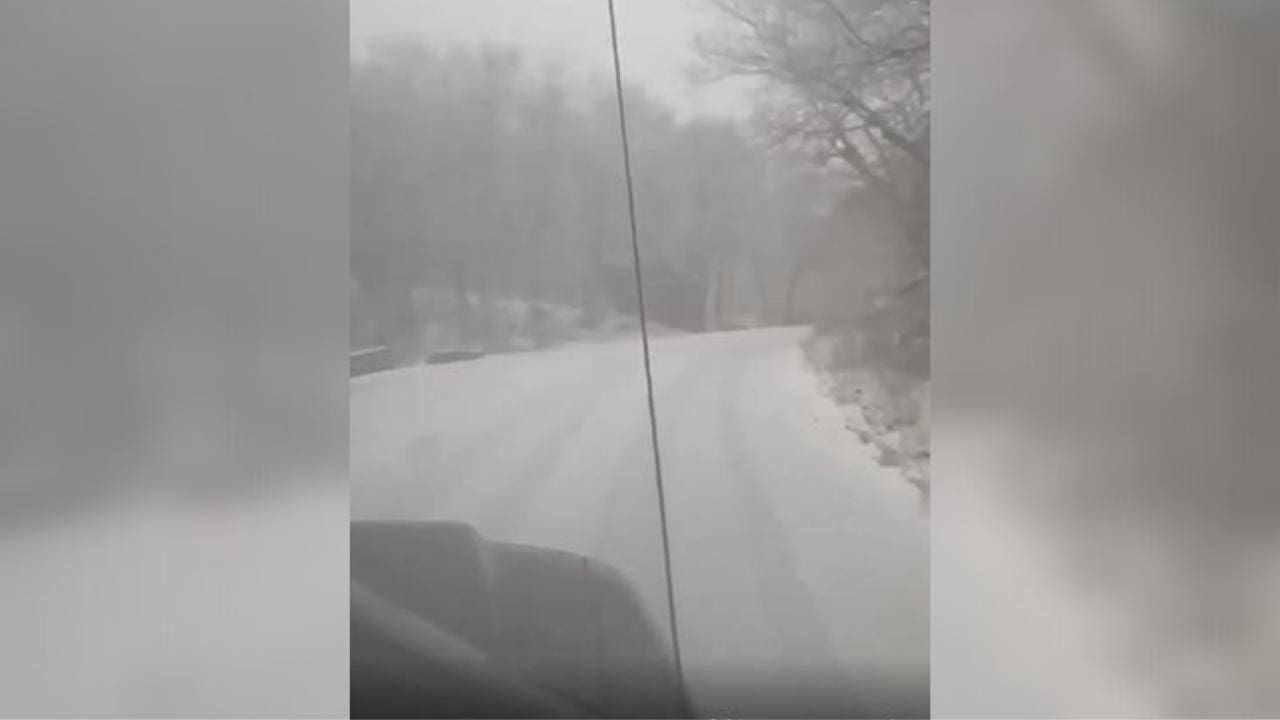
(483, 175)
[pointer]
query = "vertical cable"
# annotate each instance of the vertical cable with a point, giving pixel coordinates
(644, 337)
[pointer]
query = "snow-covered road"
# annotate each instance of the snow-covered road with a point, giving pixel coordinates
(801, 567)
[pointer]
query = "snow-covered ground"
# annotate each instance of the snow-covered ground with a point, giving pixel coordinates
(801, 566)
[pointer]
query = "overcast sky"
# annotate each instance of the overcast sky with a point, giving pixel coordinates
(655, 37)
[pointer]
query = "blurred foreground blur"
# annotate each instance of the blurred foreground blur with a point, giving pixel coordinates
(1105, 538)
(172, 309)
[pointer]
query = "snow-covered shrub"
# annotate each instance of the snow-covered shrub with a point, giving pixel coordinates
(884, 396)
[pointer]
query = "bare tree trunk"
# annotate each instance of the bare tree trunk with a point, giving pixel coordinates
(793, 284)
(763, 305)
(462, 304)
(591, 297)
(725, 310)
(710, 307)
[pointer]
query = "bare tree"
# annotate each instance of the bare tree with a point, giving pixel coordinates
(849, 81)
(486, 185)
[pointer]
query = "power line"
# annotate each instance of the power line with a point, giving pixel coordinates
(644, 338)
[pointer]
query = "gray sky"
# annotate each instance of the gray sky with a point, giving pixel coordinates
(655, 37)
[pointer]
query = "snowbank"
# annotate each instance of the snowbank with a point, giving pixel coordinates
(886, 409)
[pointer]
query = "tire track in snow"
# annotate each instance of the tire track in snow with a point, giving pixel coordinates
(430, 475)
(627, 530)
(499, 471)
(808, 672)
(508, 509)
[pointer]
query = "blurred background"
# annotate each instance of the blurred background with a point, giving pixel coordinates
(173, 224)
(1105, 539)
(175, 273)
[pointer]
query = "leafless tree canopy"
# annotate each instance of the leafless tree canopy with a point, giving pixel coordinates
(850, 82)
(481, 176)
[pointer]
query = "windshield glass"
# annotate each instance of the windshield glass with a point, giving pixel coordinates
(498, 368)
